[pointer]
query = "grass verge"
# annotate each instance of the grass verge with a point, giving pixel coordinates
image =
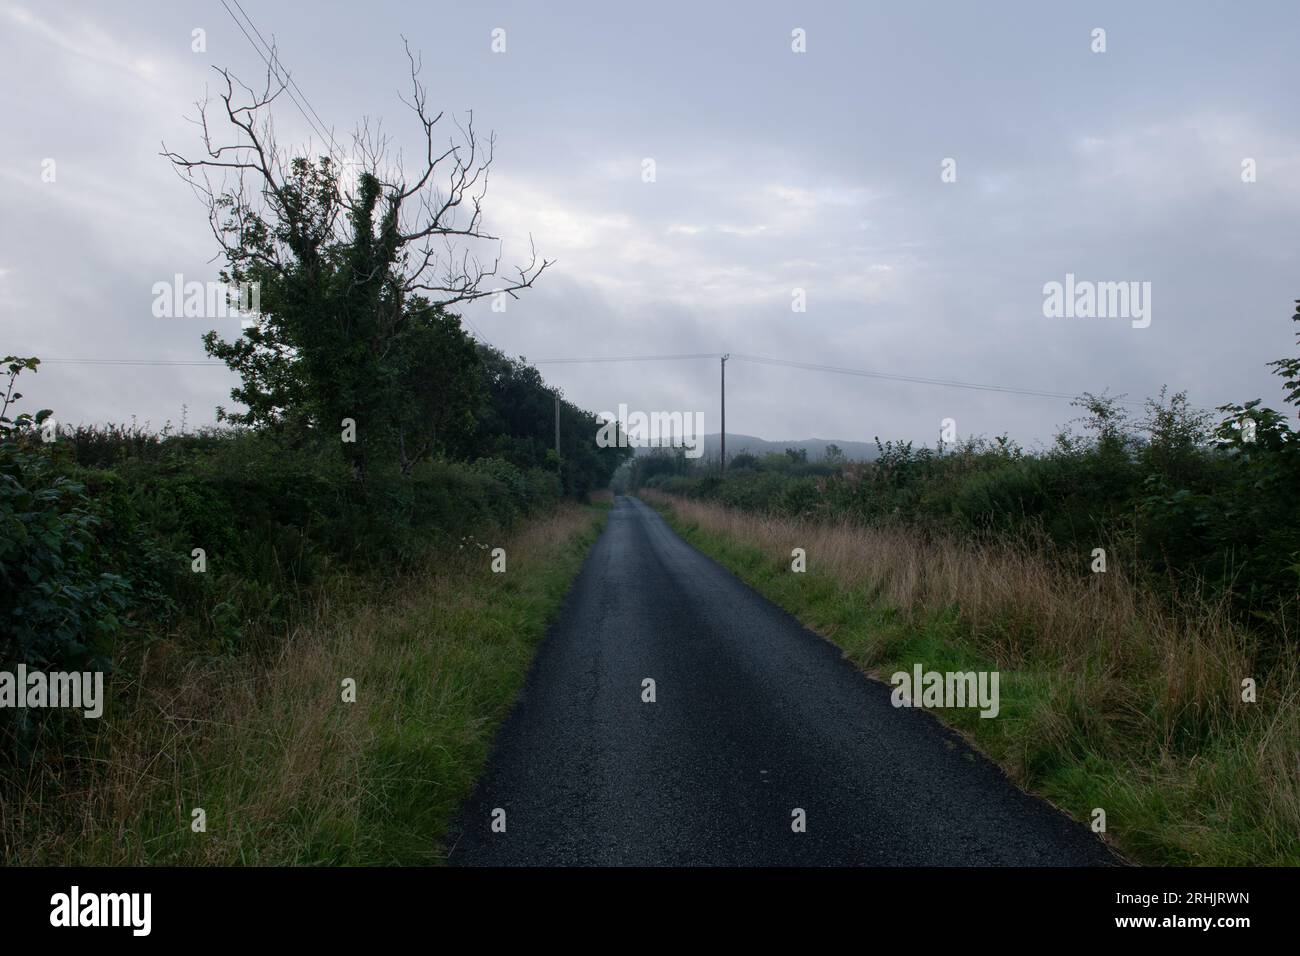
(285, 771)
(1108, 699)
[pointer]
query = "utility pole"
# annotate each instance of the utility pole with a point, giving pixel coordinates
(558, 468)
(724, 410)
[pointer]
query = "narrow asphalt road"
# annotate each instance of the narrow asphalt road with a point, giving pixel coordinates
(754, 717)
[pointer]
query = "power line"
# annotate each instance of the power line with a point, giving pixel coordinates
(606, 359)
(288, 76)
(815, 367)
(624, 358)
(475, 329)
(556, 361)
(141, 362)
(286, 79)
(946, 383)
(916, 379)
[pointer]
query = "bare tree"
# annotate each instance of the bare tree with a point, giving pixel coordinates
(438, 212)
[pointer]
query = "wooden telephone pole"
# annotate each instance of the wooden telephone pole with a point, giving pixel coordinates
(724, 410)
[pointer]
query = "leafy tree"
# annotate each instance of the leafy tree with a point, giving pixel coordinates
(352, 280)
(518, 425)
(1178, 435)
(438, 386)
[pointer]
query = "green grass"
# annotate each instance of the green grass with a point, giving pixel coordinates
(434, 740)
(287, 772)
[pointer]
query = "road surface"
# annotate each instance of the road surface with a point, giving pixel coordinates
(754, 718)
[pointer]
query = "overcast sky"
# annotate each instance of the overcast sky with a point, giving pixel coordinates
(774, 171)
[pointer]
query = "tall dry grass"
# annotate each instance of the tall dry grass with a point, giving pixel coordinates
(1117, 674)
(286, 771)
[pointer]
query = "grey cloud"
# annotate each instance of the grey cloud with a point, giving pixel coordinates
(775, 171)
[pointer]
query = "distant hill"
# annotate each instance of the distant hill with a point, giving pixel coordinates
(854, 450)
